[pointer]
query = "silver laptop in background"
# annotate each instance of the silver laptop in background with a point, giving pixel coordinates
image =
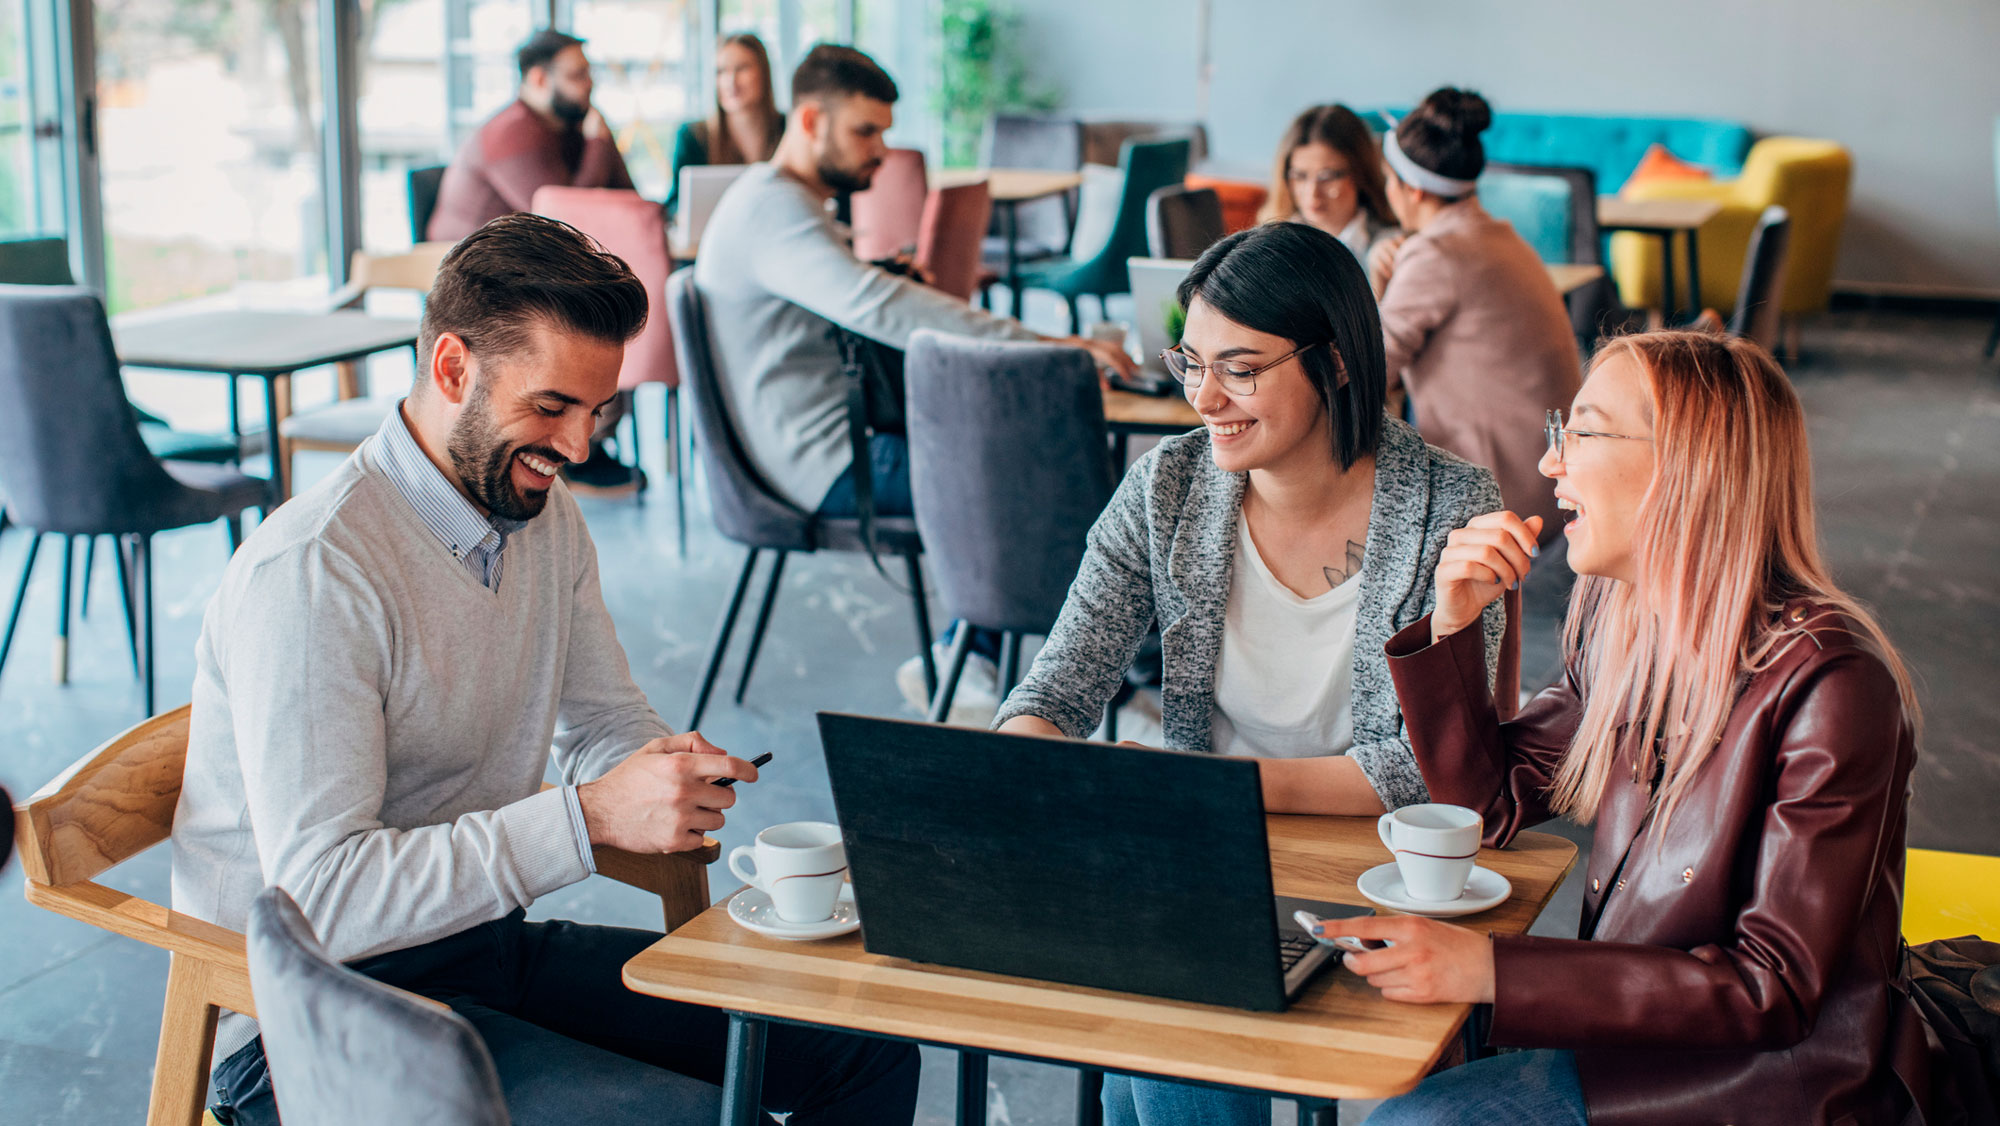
(1154, 281)
(701, 187)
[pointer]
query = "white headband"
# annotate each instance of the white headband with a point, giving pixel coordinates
(1416, 175)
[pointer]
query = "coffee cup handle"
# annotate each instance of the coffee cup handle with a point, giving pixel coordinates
(1382, 829)
(744, 852)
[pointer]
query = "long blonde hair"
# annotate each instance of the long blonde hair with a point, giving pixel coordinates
(721, 143)
(1725, 538)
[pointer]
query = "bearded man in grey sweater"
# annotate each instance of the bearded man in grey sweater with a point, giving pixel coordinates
(380, 683)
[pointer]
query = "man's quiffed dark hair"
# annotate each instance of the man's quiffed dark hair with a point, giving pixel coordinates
(830, 69)
(520, 270)
(542, 46)
(1298, 282)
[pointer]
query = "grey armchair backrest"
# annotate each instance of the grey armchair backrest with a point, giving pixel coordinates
(1009, 467)
(746, 509)
(35, 261)
(1585, 242)
(1055, 144)
(1182, 222)
(344, 1048)
(1759, 298)
(75, 462)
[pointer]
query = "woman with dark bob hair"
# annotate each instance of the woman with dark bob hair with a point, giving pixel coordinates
(1278, 548)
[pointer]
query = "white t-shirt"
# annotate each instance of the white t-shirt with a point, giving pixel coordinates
(1284, 681)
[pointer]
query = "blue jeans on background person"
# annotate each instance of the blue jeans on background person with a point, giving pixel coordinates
(572, 1044)
(890, 455)
(1156, 1102)
(1539, 1087)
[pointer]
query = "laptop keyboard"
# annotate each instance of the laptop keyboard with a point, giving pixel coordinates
(1291, 948)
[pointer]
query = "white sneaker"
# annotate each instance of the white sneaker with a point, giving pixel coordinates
(975, 703)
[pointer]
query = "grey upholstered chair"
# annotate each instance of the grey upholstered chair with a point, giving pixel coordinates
(1054, 144)
(423, 185)
(344, 1048)
(748, 511)
(1182, 222)
(1009, 467)
(75, 463)
(1759, 299)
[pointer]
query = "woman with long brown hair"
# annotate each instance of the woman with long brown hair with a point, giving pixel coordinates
(1740, 733)
(1329, 175)
(746, 123)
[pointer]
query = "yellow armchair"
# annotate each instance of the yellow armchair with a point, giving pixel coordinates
(1807, 177)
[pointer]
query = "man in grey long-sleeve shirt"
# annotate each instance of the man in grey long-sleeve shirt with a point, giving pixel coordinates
(776, 277)
(380, 681)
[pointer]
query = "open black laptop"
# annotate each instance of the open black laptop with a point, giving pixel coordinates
(1088, 863)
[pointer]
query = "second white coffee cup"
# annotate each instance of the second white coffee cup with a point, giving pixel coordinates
(1435, 845)
(800, 865)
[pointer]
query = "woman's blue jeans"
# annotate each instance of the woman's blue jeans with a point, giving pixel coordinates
(1539, 1088)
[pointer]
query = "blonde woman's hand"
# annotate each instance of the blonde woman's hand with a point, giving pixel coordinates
(1488, 556)
(1427, 962)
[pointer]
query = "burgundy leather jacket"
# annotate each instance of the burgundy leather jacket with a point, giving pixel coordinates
(1743, 965)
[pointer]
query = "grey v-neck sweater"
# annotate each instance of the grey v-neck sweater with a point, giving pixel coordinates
(371, 724)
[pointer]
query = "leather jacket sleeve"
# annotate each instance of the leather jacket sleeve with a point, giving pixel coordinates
(1468, 757)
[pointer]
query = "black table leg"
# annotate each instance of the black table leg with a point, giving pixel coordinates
(271, 443)
(1089, 1095)
(743, 1071)
(1012, 222)
(1319, 1112)
(1669, 300)
(1121, 448)
(971, 1088)
(1694, 274)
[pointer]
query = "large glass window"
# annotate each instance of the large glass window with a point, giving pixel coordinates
(644, 64)
(30, 164)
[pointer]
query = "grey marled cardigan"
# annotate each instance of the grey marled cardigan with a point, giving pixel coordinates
(1164, 548)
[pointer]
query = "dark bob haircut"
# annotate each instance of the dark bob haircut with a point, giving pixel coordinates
(521, 270)
(542, 47)
(830, 70)
(1298, 282)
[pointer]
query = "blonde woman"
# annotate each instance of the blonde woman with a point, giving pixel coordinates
(1329, 175)
(1741, 735)
(746, 124)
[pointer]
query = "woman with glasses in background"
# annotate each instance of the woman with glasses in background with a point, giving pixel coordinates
(746, 124)
(1278, 548)
(1473, 325)
(1329, 174)
(1740, 733)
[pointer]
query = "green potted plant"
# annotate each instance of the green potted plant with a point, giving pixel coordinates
(983, 72)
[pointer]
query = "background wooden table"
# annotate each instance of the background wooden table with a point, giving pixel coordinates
(1664, 218)
(1009, 188)
(1340, 1039)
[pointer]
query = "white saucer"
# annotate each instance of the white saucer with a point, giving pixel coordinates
(1383, 884)
(754, 911)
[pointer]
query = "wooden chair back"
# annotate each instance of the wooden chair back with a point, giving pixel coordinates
(117, 802)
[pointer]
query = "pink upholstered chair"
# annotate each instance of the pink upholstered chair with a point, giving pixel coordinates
(948, 239)
(886, 216)
(634, 228)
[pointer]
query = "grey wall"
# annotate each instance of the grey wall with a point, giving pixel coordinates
(1911, 86)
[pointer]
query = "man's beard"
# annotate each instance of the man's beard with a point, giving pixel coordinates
(485, 463)
(845, 179)
(571, 113)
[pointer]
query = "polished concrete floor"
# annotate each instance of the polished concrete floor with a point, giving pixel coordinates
(1906, 430)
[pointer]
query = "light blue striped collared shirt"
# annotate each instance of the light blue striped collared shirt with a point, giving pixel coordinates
(475, 539)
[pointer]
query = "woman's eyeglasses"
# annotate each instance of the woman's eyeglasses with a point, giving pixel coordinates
(1237, 378)
(1556, 432)
(1326, 177)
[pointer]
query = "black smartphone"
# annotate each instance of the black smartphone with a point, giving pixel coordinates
(757, 762)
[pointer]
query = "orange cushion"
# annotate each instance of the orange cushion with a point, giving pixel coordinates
(1659, 164)
(1240, 200)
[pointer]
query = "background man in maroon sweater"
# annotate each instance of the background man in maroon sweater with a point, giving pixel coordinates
(551, 134)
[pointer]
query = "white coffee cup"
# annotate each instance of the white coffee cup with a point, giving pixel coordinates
(1435, 846)
(800, 865)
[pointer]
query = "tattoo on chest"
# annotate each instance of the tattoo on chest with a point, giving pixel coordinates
(1337, 575)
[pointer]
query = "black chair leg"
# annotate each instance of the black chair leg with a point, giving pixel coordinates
(1010, 662)
(678, 466)
(1089, 1097)
(763, 620)
(722, 631)
(961, 644)
(61, 654)
(89, 564)
(1075, 316)
(233, 524)
(125, 597)
(922, 607)
(1993, 338)
(142, 559)
(20, 595)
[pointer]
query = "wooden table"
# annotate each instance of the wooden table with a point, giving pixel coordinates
(265, 343)
(1339, 1040)
(1571, 276)
(1664, 218)
(1011, 187)
(1127, 413)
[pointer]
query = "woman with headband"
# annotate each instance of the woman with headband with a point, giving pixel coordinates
(1473, 326)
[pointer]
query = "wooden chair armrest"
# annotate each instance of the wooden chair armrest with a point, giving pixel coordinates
(218, 948)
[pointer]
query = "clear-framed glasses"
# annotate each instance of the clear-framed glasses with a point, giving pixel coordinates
(1556, 432)
(1237, 378)
(1324, 178)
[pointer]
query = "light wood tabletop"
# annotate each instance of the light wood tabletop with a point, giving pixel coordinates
(1619, 214)
(1570, 276)
(1340, 1039)
(1134, 413)
(1009, 185)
